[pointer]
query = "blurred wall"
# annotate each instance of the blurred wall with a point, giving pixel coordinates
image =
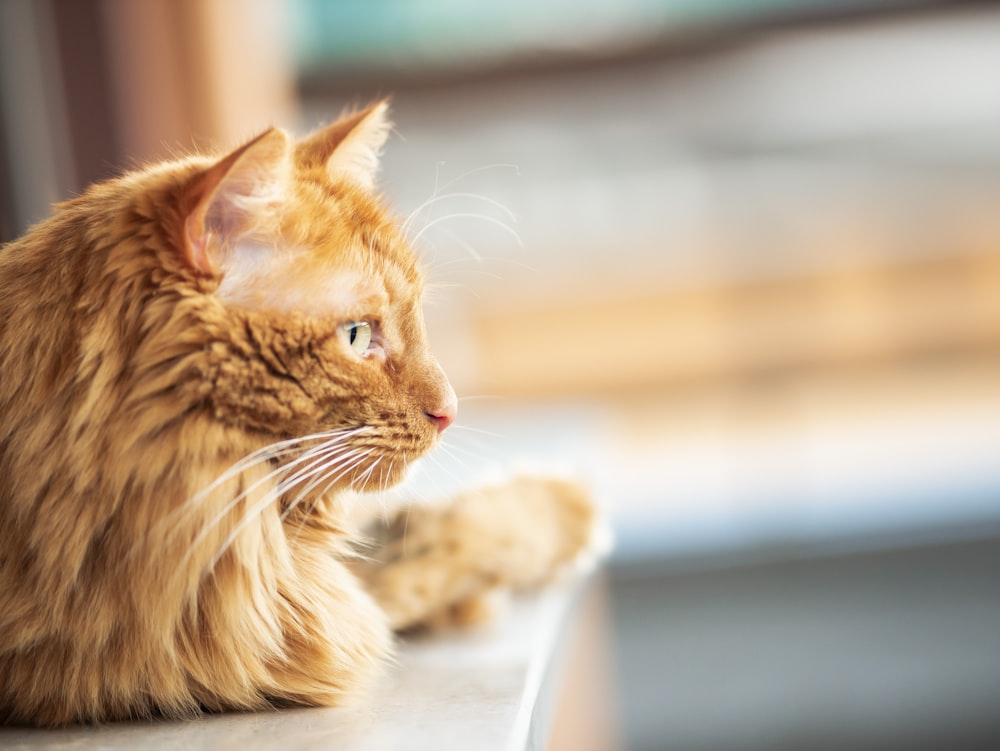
(90, 87)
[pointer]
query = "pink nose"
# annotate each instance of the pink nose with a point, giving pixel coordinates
(444, 415)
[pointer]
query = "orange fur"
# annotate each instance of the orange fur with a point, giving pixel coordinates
(155, 332)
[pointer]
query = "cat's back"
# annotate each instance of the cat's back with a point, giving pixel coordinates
(42, 275)
(42, 271)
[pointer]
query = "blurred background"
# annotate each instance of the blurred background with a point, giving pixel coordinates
(734, 262)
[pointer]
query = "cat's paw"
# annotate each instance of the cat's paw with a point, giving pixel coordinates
(438, 562)
(581, 536)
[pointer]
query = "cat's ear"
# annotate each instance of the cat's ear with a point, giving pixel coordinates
(234, 195)
(350, 147)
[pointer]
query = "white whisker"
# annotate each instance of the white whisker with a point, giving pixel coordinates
(475, 254)
(329, 481)
(322, 476)
(271, 451)
(475, 171)
(388, 474)
(256, 510)
(480, 431)
(308, 456)
(443, 196)
(441, 465)
(318, 457)
(366, 475)
(457, 457)
(332, 442)
(470, 215)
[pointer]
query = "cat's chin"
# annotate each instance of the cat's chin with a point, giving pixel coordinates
(380, 475)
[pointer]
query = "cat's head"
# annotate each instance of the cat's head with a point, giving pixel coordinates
(301, 299)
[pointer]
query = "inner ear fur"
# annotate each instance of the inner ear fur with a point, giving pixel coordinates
(234, 195)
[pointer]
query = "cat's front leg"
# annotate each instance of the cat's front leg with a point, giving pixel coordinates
(440, 563)
(336, 638)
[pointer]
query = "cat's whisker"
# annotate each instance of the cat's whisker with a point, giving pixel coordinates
(466, 246)
(315, 474)
(459, 454)
(366, 475)
(321, 474)
(444, 196)
(320, 477)
(383, 488)
(162, 537)
(480, 431)
(434, 269)
(300, 498)
(377, 491)
(484, 446)
(442, 466)
(255, 511)
(271, 451)
(470, 215)
(321, 462)
(440, 187)
(384, 485)
(278, 471)
(319, 457)
(460, 462)
(286, 447)
(309, 455)
(476, 171)
(336, 478)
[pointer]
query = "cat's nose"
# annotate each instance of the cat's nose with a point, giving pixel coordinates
(445, 413)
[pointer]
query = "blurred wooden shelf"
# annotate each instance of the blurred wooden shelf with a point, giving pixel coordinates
(872, 315)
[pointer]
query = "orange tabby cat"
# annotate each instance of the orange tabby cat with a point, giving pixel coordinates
(199, 362)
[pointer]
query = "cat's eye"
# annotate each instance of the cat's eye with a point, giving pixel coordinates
(357, 335)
